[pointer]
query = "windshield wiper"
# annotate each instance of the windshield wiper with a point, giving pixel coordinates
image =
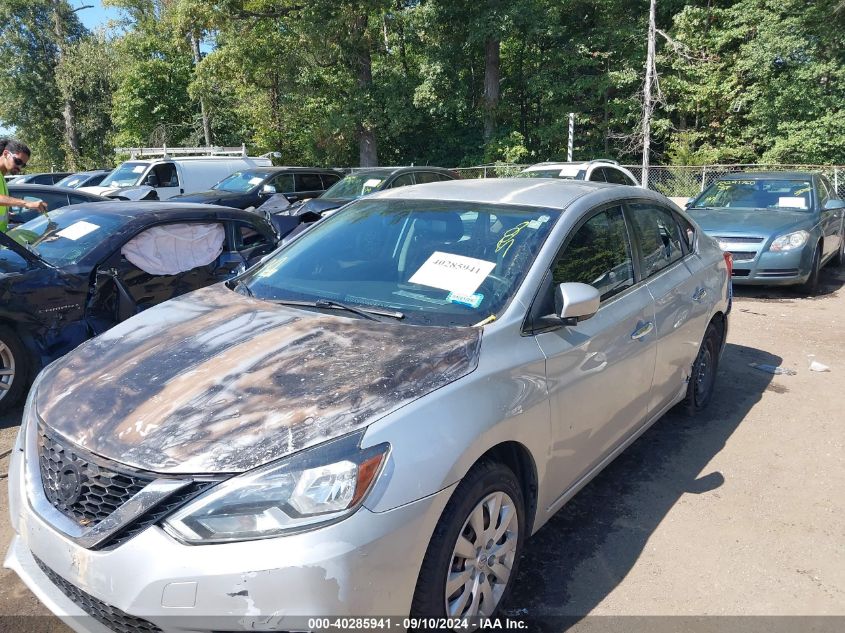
(241, 284)
(366, 313)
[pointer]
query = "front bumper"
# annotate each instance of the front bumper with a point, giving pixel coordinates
(365, 565)
(771, 268)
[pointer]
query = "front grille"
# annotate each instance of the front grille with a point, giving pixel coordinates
(107, 615)
(743, 256)
(80, 486)
(739, 240)
(155, 514)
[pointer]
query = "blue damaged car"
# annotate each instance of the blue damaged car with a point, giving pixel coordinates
(779, 227)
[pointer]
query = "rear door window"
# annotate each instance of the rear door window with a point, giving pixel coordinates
(308, 182)
(657, 235)
(403, 181)
(616, 177)
(598, 175)
(427, 176)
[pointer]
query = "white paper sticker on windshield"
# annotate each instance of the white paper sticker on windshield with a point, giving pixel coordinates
(455, 273)
(372, 182)
(792, 203)
(255, 180)
(77, 230)
(137, 169)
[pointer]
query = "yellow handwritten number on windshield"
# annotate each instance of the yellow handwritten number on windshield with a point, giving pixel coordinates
(508, 238)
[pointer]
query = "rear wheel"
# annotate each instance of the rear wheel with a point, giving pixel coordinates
(471, 561)
(13, 369)
(703, 378)
(811, 286)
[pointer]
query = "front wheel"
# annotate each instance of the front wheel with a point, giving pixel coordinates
(13, 369)
(472, 558)
(811, 286)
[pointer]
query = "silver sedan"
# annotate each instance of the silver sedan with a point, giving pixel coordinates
(373, 419)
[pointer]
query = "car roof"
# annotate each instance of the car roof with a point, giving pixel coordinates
(389, 171)
(142, 210)
(767, 175)
(294, 170)
(24, 187)
(546, 193)
(582, 163)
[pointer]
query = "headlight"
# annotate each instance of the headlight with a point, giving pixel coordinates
(307, 490)
(790, 241)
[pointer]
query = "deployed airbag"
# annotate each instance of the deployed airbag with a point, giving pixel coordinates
(175, 248)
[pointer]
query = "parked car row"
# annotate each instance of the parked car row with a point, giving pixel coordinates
(371, 417)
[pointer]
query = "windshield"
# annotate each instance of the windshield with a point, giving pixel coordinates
(241, 181)
(355, 186)
(794, 195)
(127, 175)
(439, 263)
(64, 237)
(72, 181)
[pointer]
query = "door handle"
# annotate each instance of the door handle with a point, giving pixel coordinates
(642, 331)
(699, 294)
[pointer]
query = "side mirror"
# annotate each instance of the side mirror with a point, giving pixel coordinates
(268, 189)
(834, 204)
(688, 203)
(576, 302)
(151, 180)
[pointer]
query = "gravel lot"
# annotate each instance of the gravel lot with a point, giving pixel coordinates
(738, 512)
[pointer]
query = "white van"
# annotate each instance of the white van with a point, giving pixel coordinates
(171, 174)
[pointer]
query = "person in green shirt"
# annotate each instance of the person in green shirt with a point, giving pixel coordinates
(14, 156)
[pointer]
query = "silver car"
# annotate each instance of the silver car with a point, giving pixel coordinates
(372, 420)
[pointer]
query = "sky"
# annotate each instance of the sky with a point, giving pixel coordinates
(97, 15)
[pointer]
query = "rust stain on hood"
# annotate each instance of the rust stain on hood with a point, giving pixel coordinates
(217, 382)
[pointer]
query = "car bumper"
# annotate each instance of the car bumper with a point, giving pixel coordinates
(365, 565)
(773, 269)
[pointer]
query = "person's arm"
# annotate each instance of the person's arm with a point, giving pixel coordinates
(9, 201)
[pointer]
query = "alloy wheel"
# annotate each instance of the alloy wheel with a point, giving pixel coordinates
(483, 558)
(7, 369)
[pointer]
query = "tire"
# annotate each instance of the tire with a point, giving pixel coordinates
(703, 377)
(14, 369)
(811, 286)
(839, 259)
(483, 577)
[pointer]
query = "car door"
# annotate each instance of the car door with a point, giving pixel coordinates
(149, 268)
(680, 297)
(831, 220)
(250, 242)
(164, 178)
(599, 371)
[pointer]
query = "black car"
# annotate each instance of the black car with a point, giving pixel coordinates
(55, 197)
(252, 187)
(70, 275)
(355, 186)
(40, 179)
(90, 178)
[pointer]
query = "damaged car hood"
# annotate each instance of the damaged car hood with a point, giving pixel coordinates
(216, 382)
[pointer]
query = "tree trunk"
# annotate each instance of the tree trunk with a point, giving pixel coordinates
(647, 101)
(206, 126)
(491, 87)
(71, 133)
(367, 144)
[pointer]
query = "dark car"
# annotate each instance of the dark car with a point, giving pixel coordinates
(252, 187)
(70, 275)
(90, 178)
(55, 197)
(355, 186)
(780, 227)
(40, 179)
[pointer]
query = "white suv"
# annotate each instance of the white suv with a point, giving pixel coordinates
(595, 170)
